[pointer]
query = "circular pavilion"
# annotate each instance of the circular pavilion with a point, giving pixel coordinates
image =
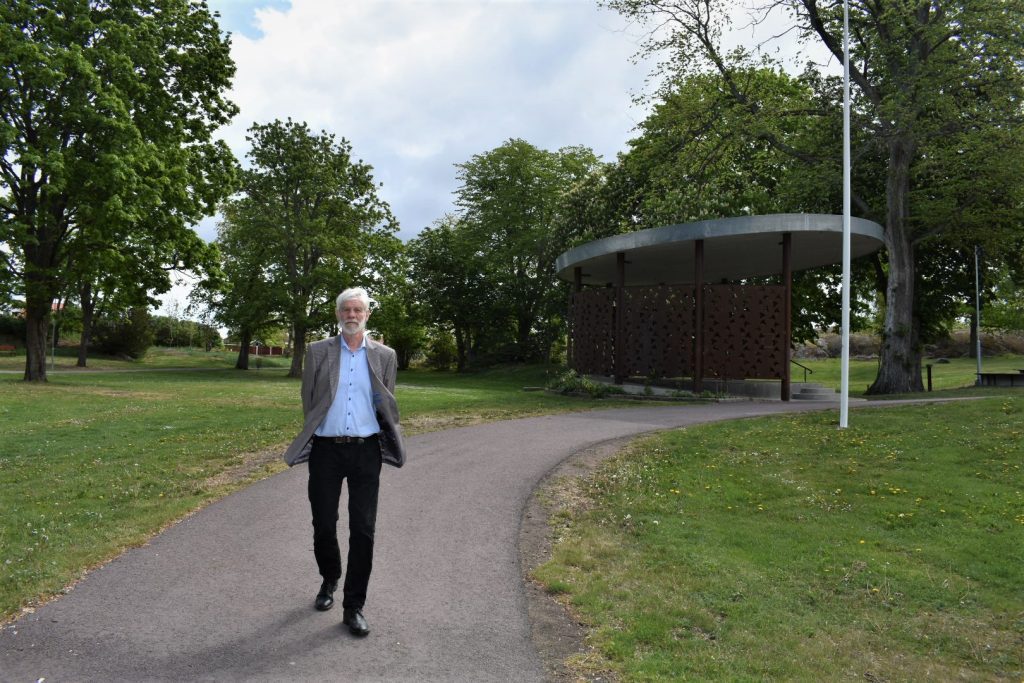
(671, 302)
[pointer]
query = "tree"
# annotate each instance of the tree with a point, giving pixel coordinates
(317, 214)
(397, 316)
(106, 117)
(452, 281)
(924, 74)
(694, 160)
(240, 294)
(129, 274)
(510, 198)
(1005, 312)
(126, 333)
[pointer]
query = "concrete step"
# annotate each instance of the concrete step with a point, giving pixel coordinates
(814, 392)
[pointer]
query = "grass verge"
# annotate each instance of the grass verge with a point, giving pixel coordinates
(957, 373)
(66, 359)
(783, 549)
(93, 463)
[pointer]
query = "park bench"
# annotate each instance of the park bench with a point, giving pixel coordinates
(7, 349)
(1001, 379)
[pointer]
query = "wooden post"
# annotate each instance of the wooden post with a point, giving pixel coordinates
(698, 316)
(787, 334)
(620, 318)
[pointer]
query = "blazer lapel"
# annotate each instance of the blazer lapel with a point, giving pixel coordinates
(373, 359)
(333, 359)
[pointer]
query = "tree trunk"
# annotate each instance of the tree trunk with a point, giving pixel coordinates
(899, 368)
(37, 320)
(88, 308)
(298, 351)
(524, 330)
(245, 337)
(460, 350)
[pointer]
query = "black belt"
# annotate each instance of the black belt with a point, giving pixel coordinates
(346, 439)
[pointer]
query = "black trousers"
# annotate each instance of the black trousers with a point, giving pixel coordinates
(329, 464)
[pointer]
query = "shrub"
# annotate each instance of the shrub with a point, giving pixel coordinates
(570, 382)
(441, 352)
(129, 334)
(12, 327)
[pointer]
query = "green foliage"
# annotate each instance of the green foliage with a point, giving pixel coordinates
(1005, 308)
(441, 351)
(570, 382)
(452, 284)
(510, 198)
(168, 331)
(128, 334)
(308, 223)
(106, 140)
(12, 328)
(699, 156)
(487, 273)
(398, 318)
(936, 139)
(239, 294)
(783, 549)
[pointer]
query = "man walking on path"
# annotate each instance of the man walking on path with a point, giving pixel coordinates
(351, 428)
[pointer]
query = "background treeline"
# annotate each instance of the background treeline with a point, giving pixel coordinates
(97, 194)
(124, 333)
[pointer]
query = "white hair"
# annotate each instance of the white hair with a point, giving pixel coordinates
(355, 293)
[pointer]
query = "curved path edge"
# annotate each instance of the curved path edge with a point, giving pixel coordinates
(226, 594)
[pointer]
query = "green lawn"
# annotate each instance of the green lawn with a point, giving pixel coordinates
(764, 549)
(92, 463)
(157, 357)
(958, 372)
(785, 549)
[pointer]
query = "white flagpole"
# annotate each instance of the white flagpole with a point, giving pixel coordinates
(977, 311)
(844, 383)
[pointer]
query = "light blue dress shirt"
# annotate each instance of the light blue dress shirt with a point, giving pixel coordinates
(351, 413)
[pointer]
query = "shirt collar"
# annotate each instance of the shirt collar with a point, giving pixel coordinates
(344, 344)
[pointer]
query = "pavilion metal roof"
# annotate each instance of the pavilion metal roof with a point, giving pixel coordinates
(734, 248)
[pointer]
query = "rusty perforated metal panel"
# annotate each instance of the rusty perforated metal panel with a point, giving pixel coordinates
(744, 331)
(659, 331)
(592, 331)
(744, 327)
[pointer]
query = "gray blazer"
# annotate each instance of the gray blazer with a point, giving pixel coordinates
(320, 384)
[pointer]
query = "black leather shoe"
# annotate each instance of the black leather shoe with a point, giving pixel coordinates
(356, 622)
(325, 598)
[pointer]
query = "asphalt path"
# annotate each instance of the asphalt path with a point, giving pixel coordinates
(227, 594)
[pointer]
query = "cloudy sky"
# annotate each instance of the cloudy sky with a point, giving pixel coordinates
(418, 86)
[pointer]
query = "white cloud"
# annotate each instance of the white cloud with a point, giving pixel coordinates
(418, 86)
